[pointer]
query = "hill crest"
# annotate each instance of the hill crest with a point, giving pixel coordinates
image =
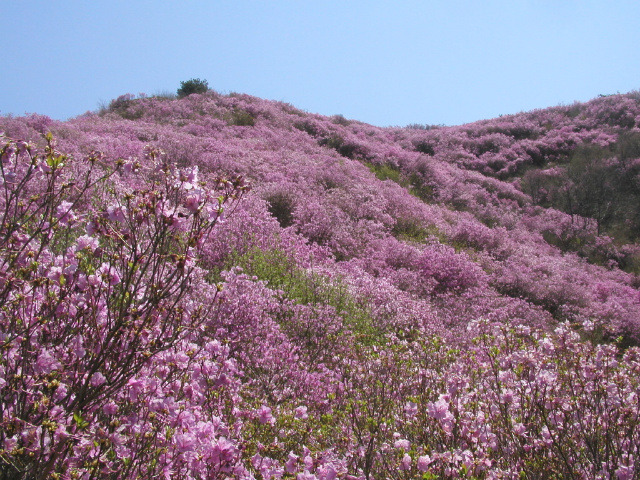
(374, 285)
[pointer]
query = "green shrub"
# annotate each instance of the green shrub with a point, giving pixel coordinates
(281, 206)
(420, 126)
(125, 106)
(195, 85)
(240, 118)
(411, 229)
(386, 171)
(425, 147)
(345, 148)
(419, 188)
(164, 95)
(340, 120)
(307, 126)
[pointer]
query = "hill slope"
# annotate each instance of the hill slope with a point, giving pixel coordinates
(394, 301)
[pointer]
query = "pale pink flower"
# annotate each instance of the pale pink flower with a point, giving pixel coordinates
(108, 274)
(88, 242)
(64, 214)
(97, 379)
(440, 409)
(192, 202)
(519, 429)
(306, 476)
(264, 415)
(327, 472)
(624, 473)
(402, 443)
(290, 464)
(405, 463)
(301, 413)
(411, 409)
(116, 213)
(423, 463)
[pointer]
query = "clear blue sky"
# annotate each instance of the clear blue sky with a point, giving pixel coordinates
(382, 62)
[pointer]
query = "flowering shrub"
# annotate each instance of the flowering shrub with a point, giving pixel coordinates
(451, 271)
(95, 306)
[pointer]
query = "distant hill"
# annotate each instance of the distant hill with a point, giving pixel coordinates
(383, 290)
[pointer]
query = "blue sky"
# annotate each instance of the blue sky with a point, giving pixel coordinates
(381, 62)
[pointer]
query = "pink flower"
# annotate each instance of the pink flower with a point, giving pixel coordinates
(46, 363)
(54, 274)
(291, 463)
(64, 214)
(264, 415)
(507, 396)
(131, 166)
(423, 463)
(136, 387)
(116, 213)
(110, 408)
(440, 409)
(223, 450)
(306, 476)
(92, 227)
(519, 429)
(308, 462)
(405, 464)
(301, 413)
(108, 274)
(10, 443)
(189, 177)
(327, 472)
(624, 473)
(184, 442)
(192, 202)
(411, 409)
(97, 379)
(88, 242)
(402, 443)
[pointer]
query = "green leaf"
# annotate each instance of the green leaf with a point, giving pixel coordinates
(80, 422)
(56, 161)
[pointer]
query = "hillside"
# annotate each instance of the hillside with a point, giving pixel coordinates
(419, 302)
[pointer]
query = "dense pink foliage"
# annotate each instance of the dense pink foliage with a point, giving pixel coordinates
(385, 303)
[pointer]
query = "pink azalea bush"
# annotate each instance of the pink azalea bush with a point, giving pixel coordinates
(96, 317)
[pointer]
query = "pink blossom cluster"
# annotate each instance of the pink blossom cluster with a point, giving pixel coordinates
(98, 329)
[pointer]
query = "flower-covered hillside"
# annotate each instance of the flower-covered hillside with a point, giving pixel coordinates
(384, 303)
